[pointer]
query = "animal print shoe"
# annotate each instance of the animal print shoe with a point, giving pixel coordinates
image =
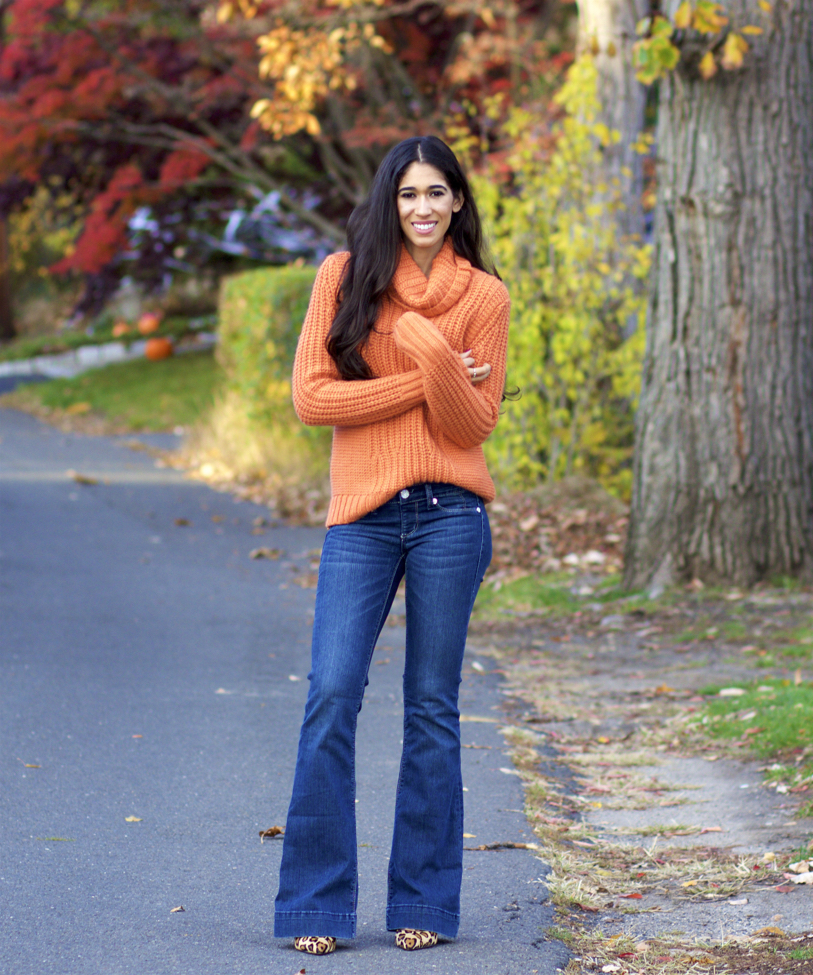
(315, 946)
(411, 940)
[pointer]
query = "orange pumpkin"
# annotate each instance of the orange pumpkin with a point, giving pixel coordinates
(149, 322)
(158, 348)
(119, 329)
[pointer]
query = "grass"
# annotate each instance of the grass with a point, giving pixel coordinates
(539, 595)
(775, 717)
(137, 395)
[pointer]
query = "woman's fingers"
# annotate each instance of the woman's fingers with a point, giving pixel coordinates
(468, 360)
(477, 373)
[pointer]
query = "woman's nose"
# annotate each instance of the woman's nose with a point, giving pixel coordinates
(423, 205)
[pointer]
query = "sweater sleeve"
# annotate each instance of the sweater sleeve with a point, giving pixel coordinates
(321, 397)
(466, 413)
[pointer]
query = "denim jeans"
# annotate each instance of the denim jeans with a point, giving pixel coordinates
(438, 536)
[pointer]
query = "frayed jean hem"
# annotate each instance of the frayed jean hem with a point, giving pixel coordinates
(316, 924)
(422, 918)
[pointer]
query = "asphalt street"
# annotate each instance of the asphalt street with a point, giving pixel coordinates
(152, 682)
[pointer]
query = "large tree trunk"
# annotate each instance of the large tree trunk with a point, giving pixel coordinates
(723, 484)
(607, 30)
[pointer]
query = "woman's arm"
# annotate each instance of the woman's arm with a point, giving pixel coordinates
(466, 414)
(321, 397)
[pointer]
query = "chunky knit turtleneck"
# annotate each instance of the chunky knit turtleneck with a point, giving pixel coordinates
(420, 418)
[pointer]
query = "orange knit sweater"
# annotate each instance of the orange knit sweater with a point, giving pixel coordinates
(420, 418)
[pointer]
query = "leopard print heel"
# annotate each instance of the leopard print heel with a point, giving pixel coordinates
(411, 940)
(315, 946)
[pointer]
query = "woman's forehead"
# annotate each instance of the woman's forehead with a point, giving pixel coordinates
(422, 176)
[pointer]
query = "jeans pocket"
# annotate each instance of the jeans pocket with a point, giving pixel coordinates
(458, 501)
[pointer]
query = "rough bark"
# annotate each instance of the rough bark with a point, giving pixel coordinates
(723, 481)
(607, 30)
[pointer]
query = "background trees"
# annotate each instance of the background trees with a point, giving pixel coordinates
(723, 486)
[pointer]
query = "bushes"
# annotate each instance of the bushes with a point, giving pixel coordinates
(252, 436)
(260, 317)
(577, 296)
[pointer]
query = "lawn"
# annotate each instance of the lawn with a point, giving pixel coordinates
(130, 396)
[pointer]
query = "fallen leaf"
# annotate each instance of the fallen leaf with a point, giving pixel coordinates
(182, 522)
(731, 692)
(177, 910)
(689, 883)
(502, 846)
(267, 834)
(801, 866)
(76, 409)
(664, 689)
(81, 478)
(803, 878)
(633, 897)
(739, 903)
(266, 553)
(132, 819)
(784, 889)
(770, 932)
(711, 829)
(797, 677)
(587, 907)
(32, 766)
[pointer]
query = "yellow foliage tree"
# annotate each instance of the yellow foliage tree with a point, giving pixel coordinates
(575, 350)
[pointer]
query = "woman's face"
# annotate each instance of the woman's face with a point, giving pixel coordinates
(425, 207)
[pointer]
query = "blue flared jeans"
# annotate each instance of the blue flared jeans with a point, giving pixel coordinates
(438, 537)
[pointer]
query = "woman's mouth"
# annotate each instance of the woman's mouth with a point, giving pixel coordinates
(424, 228)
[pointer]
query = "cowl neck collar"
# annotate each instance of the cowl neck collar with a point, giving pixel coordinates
(447, 282)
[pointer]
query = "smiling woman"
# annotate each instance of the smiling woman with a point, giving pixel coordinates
(425, 207)
(403, 353)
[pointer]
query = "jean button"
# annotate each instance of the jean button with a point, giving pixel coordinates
(404, 493)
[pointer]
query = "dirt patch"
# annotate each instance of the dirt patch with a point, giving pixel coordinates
(657, 833)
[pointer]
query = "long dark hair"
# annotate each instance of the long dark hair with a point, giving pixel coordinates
(374, 242)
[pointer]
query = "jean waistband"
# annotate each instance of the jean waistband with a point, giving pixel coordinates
(429, 492)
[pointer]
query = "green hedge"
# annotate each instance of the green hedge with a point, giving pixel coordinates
(260, 317)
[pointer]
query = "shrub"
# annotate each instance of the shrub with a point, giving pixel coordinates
(252, 435)
(260, 316)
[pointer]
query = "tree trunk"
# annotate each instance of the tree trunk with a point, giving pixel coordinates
(723, 480)
(607, 30)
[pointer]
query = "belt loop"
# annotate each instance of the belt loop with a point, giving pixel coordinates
(430, 494)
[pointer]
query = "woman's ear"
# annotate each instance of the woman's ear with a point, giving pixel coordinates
(457, 206)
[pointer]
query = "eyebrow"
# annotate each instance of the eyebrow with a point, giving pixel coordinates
(434, 186)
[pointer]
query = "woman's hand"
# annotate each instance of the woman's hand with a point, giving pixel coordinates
(477, 373)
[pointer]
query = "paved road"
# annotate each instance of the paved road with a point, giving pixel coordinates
(152, 670)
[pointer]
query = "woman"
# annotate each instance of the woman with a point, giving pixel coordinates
(403, 353)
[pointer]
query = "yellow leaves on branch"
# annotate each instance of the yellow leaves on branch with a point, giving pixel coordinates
(575, 293)
(230, 8)
(734, 51)
(658, 51)
(305, 66)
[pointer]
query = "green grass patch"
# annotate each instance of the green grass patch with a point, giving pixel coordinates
(800, 954)
(136, 395)
(532, 595)
(774, 716)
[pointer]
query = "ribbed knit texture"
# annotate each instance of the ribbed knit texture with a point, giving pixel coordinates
(421, 418)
